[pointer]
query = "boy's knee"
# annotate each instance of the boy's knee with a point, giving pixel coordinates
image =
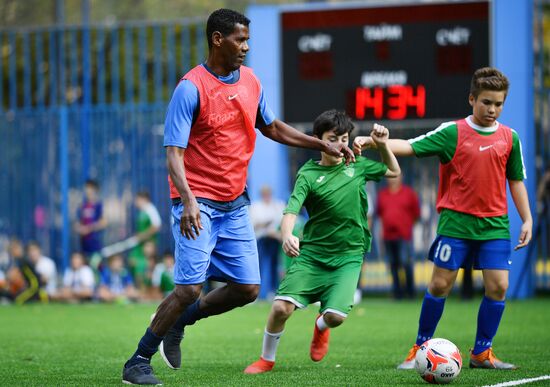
(440, 287)
(282, 309)
(497, 290)
(333, 320)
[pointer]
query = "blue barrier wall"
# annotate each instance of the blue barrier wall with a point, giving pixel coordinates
(513, 54)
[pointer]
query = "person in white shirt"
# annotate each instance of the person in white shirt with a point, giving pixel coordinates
(44, 267)
(78, 281)
(266, 215)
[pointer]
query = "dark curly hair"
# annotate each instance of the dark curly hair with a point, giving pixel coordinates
(224, 20)
(332, 119)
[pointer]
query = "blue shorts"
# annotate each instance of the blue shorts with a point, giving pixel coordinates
(224, 250)
(454, 253)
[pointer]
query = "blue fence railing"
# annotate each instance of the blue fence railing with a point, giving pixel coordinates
(94, 65)
(43, 176)
(87, 102)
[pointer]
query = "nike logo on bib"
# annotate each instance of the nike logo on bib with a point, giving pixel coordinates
(232, 96)
(484, 148)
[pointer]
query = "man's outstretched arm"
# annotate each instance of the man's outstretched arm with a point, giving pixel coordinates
(285, 134)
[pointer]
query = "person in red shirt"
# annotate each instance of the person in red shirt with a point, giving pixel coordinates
(398, 209)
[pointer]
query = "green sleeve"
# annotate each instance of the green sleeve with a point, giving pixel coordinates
(440, 142)
(515, 168)
(372, 170)
(298, 196)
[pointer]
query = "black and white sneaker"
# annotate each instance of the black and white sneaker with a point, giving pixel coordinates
(170, 349)
(140, 373)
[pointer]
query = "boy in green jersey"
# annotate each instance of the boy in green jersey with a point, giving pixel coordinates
(327, 261)
(477, 156)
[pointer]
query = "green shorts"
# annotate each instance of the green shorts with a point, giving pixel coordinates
(309, 280)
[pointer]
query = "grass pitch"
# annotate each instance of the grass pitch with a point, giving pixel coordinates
(88, 344)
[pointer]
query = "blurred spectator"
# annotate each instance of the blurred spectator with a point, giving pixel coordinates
(44, 267)
(78, 281)
(398, 209)
(91, 221)
(6, 260)
(166, 280)
(22, 281)
(148, 224)
(116, 283)
(266, 215)
(151, 290)
(150, 252)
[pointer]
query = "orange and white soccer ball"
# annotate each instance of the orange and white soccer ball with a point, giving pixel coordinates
(438, 361)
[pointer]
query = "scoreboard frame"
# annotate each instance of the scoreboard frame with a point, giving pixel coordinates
(408, 65)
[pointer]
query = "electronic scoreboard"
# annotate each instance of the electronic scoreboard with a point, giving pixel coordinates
(396, 62)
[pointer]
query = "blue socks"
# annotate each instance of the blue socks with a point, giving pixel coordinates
(147, 347)
(191, 315)
(430, 314)
(488, 320)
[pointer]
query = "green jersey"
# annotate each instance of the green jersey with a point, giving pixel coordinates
(146, 217)
(442, 142)
(336, 201)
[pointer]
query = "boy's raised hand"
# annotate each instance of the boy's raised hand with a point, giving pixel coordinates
(379, 134)
(360, 143)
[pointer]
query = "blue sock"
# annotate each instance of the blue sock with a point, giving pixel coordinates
(488, 320)
(192, 314)
(430, 314)
(147, 347)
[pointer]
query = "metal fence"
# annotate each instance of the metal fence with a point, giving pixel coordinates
(86, 102)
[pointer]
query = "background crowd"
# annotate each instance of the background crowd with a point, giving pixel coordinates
(131, 270)
(134, 270)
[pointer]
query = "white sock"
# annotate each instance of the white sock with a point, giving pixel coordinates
(269, 345)
(321, 324)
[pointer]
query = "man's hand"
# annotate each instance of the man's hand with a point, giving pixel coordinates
(379, 134)
(524, 235)
(190, 222)
(361, 143)
(340, 150)
(291, 246)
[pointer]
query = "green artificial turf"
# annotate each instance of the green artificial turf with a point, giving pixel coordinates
(88, 344)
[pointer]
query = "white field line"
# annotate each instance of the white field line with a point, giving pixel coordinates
(518, 382)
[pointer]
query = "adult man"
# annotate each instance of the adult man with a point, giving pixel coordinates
(266, 215)
(209, 140)
(398, 209)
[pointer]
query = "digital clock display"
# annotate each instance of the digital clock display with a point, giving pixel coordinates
(384, 63)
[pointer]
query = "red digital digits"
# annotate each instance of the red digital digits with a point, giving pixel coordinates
(395, 102)
(369, 99)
